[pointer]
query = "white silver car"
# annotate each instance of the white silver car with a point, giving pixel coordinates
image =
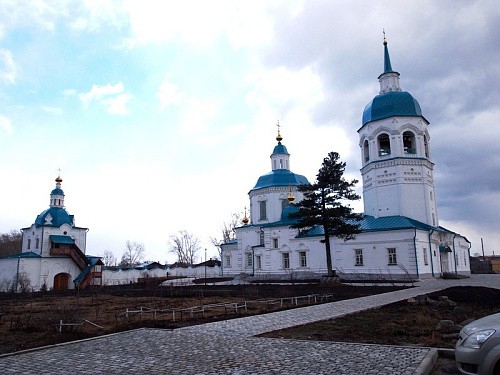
(478, 349)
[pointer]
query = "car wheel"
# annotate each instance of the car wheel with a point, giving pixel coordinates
(496, 370)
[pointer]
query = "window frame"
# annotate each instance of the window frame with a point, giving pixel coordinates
(262, 210)
(358, 258)
(258, 262)
(248, 260)
(392, 256)
(303, 259)
(285, 260)
(384, 149)
(409, 143)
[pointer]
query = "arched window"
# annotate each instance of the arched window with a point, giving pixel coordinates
(366, 150)
(409, 143)
(384, 145)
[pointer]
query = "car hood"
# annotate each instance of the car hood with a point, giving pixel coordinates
(488, 322)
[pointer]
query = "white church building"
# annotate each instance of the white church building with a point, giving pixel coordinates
(53, 253)
(400, 234)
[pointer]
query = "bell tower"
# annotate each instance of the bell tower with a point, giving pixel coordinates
(397, 170)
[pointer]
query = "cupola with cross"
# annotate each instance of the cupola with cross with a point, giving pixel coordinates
(274, 190)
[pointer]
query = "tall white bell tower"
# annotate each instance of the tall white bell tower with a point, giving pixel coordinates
(395, 149)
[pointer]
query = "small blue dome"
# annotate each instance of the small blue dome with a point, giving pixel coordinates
(54, 217)
(57, 191)
(280, 149)
(280, 177)
(389, 104)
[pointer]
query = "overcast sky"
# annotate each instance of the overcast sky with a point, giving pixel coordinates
(161, 115)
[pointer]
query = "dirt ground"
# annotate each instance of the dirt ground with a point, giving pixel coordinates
(33, 320)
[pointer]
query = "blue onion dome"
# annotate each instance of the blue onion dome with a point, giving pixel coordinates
(54, 217)
(389, 104)
(280, 149)
(280, 177)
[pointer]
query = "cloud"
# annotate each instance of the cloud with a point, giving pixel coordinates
(93, 15)
(53, 110)
(8, 68)
(5, 124)
(201, 24)
(169, 94)
(112, 97)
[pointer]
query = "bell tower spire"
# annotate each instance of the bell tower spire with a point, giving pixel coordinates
(389, 79)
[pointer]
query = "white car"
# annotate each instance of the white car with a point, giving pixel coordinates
(477, 351)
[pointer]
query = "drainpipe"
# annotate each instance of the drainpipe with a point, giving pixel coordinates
(415, 248)
(17, 273)
(468, 253)
(454, 254)
(41, 246)
(253, 261)
(221, 261)
(430, 251)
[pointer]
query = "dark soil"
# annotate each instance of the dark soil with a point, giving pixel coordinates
(402, 323)
(32, 320)
(28, 321)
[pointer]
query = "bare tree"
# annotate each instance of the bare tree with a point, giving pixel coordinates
(227, 232)
(133, 254)
(11, 243)
(109, 258)
(23, 281)
(185, 245)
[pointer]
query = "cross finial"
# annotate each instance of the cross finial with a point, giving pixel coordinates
(278, 137)
(385, 40)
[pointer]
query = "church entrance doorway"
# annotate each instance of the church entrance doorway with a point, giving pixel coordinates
(444, 263)
(61, 281)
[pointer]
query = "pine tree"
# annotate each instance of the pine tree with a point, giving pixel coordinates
(326, 204)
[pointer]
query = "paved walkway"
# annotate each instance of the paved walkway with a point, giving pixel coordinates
(227, 347)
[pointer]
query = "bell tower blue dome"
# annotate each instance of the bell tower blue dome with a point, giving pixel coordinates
(391, 101)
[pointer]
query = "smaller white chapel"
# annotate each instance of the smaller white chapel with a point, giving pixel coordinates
(53, 253)
(400, 234)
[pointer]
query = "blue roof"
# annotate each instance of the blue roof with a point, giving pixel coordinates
(29, 254)
(280, 177)
(280, 149)
(389, 104)
(373, 224)
(64, 240)
(59, 217)
(57, 191)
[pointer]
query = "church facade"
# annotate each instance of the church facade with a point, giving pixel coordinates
(400, 234)
(53, 253)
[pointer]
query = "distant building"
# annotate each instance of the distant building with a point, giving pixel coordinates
(400, 235)
(53, 253)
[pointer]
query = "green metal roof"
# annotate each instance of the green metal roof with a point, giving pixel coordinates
(63, 240)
